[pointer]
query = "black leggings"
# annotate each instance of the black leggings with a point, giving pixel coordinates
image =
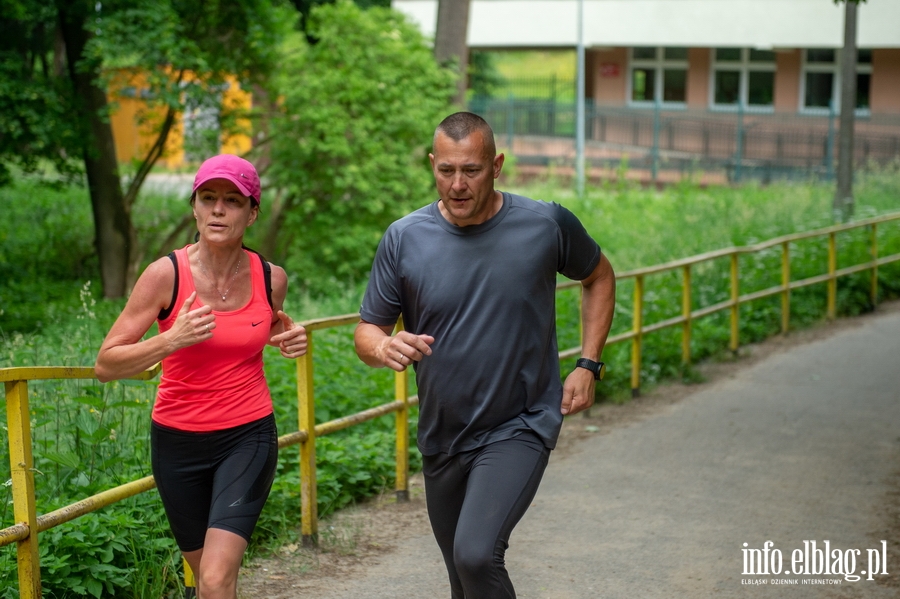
(475, 499)
(219, 479)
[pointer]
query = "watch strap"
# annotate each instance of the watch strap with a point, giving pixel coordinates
(598, 368)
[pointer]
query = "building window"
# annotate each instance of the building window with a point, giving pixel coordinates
(743, 77)
(863, 78)
(658, 75)
(821, 79)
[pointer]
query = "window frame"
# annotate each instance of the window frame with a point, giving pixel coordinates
(744, 66)
(659, 64)
(835, 70)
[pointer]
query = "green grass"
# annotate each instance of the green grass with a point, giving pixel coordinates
(536, 75)
(521, 64)
(88, 437)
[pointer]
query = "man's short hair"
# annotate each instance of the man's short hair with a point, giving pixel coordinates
(461, 125)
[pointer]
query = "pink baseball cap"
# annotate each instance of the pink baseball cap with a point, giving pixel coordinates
(233, 168)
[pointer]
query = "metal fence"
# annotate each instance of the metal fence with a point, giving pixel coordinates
(737, 145)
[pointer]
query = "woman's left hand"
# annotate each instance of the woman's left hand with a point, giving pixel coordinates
(292, 341)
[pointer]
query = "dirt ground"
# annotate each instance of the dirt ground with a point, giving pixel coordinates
(358, 536)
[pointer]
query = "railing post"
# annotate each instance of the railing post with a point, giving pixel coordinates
(686, 313)
(638, 321)
(401, 393)
(874, 289)
(190, 583)
(739, 143)
(654, 151)
(786, 286)
(829, 143)
(832, 279)
(735, 306)
(510, 121)
(309, 515)
(21, 466)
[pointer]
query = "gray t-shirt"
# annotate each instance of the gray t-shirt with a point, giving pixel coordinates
(487, 294)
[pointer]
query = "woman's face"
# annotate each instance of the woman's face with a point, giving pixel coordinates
(222, 212)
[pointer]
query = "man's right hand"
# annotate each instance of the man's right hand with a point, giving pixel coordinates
(377, 347)
(403, 349)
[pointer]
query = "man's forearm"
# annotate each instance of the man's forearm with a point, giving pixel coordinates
(598, 302)
(369, 340)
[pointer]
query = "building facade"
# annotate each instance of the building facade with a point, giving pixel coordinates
(766, 56)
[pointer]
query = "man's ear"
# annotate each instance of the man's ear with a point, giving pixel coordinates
(498, 164)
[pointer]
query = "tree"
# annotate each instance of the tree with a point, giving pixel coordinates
(184, 49)
(114, 234)
(349, 143)
(451, 44)
(305, 8)
(843, 197)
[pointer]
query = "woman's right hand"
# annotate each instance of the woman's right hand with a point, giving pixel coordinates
(191, 326)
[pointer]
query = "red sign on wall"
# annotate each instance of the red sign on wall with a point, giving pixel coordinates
(609, 69)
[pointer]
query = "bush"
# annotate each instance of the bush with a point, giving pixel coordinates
(348, 149)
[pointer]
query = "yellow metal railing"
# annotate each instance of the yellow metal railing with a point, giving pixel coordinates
(29, 524)
(688, 314)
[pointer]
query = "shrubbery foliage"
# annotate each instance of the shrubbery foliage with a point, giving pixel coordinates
(349, 144)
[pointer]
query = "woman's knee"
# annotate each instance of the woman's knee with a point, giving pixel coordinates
(215, 582)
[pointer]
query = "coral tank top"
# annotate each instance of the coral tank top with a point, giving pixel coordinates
(219, 383)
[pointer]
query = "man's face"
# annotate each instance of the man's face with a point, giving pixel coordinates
(464, 176)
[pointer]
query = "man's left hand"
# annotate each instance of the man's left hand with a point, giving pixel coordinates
(578, 391)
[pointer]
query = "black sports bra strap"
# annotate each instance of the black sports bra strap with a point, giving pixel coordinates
(267, 275)
(164, 313)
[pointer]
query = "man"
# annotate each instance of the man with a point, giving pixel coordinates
(474, 277)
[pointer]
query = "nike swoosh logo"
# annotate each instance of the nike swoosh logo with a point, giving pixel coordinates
(254, 324)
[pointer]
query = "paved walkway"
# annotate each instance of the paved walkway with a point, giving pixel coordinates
(803, 445)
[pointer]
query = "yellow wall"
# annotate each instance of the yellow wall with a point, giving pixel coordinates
(135, 124)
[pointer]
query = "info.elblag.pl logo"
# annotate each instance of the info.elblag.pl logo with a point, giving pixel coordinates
(813, 559)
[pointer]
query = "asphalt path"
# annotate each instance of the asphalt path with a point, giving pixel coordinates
(801, 446)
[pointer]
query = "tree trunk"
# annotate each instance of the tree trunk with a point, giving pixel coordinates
(278, 208)
(451, 41)
(843, 197)
(114, 234)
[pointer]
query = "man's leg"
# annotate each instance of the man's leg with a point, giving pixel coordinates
(445, 490)
(475, 499)
(503, 479)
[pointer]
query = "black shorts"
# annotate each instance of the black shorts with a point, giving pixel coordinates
(219, 479)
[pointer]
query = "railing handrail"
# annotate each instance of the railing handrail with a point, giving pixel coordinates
(16, 379)
(45, 373)
(743, 249)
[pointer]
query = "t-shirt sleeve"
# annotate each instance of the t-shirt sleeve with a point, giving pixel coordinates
(381, 301)
(579, 254)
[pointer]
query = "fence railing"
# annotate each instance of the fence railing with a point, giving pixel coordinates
(28, 523)
(739, 143)
(736, 299)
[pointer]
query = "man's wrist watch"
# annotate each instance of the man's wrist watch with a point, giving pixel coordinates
(598, 368)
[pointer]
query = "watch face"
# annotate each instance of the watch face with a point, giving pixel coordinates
(601, 372)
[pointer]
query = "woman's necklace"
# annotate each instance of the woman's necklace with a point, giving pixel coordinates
(211, 280)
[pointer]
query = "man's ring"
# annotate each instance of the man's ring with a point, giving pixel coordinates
(207, 328)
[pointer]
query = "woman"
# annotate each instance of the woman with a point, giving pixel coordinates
(213, 439)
